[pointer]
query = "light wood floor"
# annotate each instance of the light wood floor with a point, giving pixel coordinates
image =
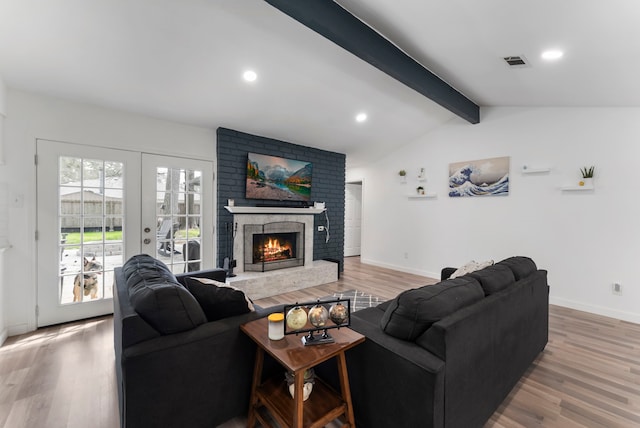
(588, 375)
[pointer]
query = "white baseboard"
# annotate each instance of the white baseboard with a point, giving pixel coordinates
(580, 306)
(435, 275)
(3, 336)
(594, 309)
(14, 330)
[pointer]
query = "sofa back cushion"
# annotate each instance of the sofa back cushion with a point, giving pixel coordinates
(158, 298)
(414, 311)
(494, 278)
(520, 266)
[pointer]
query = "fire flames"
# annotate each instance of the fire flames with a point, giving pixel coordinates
(274, 250)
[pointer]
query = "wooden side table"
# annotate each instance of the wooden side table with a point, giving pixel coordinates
(324, 404)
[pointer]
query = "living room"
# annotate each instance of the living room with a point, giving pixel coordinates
(585, 239)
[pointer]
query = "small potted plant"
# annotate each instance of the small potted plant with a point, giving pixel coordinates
(587, 176)
(403, 176)
(420, 190)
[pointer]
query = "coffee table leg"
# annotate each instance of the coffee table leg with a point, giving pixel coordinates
(298, 400)
(344, 386)
(257, 375)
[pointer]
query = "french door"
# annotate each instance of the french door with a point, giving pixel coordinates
(96, 207)
(177, 212)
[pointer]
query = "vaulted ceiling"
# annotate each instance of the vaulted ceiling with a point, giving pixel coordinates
(183, 61)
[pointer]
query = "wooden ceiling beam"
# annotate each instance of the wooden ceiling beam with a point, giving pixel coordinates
(330, 20)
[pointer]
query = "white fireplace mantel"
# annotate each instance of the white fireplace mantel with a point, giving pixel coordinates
(273, 210)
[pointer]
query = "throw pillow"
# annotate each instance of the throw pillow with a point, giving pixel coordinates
(158, 298)
(217, 299)
(167, 307)
(472, 266)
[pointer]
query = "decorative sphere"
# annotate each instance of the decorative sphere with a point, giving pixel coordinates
(338, 313)
(318, 316)
(296, 318)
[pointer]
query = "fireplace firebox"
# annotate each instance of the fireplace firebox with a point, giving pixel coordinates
(272, 246)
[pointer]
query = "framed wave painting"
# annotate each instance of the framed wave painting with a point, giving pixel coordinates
(484, 177)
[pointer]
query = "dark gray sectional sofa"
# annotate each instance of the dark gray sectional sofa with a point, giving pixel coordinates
(447, 355)
(443, 355)
(175, 368)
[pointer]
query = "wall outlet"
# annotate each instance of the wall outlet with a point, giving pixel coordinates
(616, 288)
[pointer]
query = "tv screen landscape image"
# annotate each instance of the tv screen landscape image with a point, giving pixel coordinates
(276, 178)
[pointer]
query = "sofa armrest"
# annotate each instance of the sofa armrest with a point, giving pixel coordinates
(196, 378)
(393, 382)
(201, 333)
(502, 335)
(447, 272)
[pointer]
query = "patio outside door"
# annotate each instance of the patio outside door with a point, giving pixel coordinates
(97, 207)
(88, 217)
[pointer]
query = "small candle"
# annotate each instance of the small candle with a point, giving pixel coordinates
(276, 326)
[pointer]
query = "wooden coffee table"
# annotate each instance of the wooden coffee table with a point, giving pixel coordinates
(324, 404)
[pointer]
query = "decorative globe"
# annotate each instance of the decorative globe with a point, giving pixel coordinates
(318, 316)
(338, 313)
(296, 318)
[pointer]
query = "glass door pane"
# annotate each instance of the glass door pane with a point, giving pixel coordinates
(177, 212)
(91, 220)
(179, 194)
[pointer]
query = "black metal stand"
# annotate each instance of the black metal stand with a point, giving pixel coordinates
(310, 339)
(229, 261)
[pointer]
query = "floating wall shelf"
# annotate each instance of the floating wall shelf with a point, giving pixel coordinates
(425, 196)
(530, 170)
(577, 188)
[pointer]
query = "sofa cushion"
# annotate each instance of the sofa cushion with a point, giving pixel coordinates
(217, 299)
(494, 278)
(520, 266)
(143, 266)
(472, 266)
(158, 298)
(414, 311)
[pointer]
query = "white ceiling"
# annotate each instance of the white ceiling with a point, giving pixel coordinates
(183, 60)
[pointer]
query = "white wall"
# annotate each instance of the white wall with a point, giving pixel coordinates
(3, 328)
(586, 240)
(30, 117)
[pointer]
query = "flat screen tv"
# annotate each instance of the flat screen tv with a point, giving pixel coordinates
(278, 179)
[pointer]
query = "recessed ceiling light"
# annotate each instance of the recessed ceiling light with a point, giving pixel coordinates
(249, 76)
(552, 54)
(361, 117)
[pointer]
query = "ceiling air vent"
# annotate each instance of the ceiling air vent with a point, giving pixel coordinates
(516, 61)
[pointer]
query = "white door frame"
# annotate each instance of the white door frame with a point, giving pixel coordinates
(361, 184)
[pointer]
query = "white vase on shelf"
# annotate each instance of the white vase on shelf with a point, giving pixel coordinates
(586, 182)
